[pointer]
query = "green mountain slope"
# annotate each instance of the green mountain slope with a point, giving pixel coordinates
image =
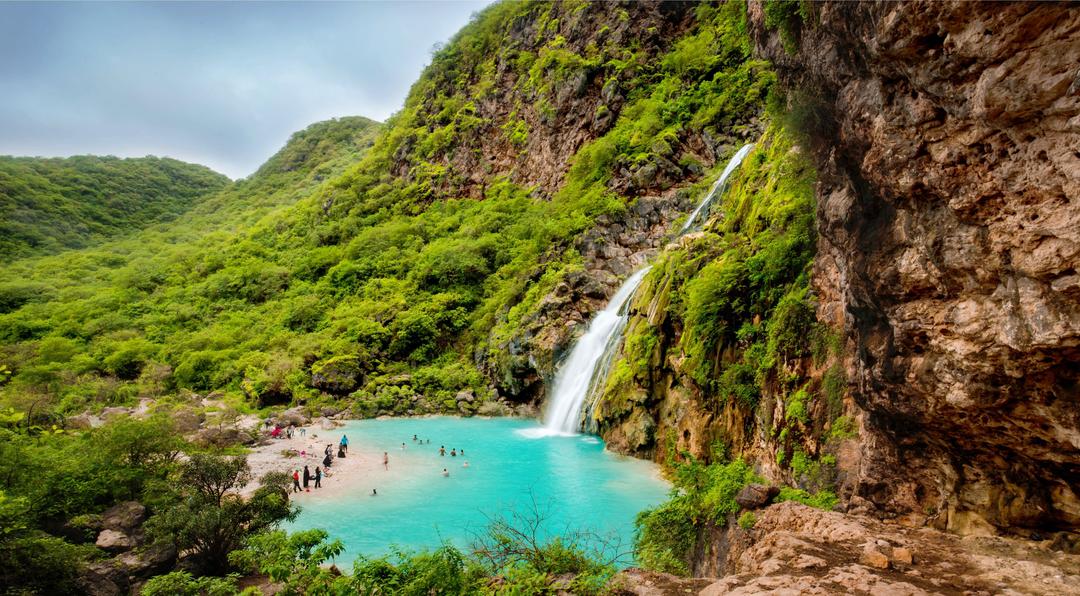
(397, 284)
(50, 205)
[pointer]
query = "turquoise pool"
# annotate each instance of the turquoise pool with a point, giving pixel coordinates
(572, 478)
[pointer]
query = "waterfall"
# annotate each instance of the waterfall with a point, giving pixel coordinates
(703, 208)
(585, 370)
(578, 373)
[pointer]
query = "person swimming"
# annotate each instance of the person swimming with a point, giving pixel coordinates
(453, 453)
(442, 450)
(465, 465)
(403, 446)
(445, 472)
(414, 438)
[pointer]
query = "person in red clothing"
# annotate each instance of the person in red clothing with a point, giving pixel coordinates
(296, 481)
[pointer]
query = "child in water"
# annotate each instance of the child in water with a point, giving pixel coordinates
(445, 472)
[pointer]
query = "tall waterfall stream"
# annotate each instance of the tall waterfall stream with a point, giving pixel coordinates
(584, 372)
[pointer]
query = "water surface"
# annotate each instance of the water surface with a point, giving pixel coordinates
(573, 479)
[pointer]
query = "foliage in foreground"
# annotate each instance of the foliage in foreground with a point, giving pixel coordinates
(703, 494)
(513, 556)
(53, 483)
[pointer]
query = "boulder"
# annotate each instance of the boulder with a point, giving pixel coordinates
(112, 412)
(124, 517)
(144, 563)
(187, 420)
(872, 557)
(902, 555)
(466, 396)
(337, 376)
(296, 416)
(82, 528)
(753, 496)
(220, 437)
(114, 541)
(83, 422)
(101, 579)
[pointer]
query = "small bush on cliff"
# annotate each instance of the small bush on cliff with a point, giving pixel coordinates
(747, 520)
(703, 494)
(823, 499)
(788, 16)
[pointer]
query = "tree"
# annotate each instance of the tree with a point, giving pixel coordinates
(210, 521)
(135, 451)
(294, 560)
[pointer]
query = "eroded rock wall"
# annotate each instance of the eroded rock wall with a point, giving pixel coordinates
(947, 140)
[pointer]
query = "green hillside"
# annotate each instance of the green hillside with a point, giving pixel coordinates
(50, 205)
(401, 276)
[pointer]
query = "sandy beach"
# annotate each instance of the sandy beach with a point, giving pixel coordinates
(359, 472)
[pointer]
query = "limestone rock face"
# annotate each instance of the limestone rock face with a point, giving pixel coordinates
(795, 549)
(947, 140)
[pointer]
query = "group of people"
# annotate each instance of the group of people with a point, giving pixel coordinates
(283, 432)
(453, 451)
(302, 481)
(328, 460)
(308, 477)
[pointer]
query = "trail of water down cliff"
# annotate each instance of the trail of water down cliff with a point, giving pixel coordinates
(584, 372)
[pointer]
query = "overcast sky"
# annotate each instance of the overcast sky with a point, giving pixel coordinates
(213, 83)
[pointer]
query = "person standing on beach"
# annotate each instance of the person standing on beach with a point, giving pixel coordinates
(296, 481)
(385, 460)
(318, 477)
(307, 479)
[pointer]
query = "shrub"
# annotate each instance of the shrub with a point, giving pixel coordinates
(182, 583)
(747, 520)
(823, 499)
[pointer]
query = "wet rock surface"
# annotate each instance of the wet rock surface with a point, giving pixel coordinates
(947, 140)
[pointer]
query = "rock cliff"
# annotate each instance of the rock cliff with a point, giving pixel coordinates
(947, 140)
(938, 384)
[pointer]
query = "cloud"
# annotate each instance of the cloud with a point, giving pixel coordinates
(222, 84)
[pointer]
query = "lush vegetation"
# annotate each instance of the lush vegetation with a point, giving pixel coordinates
(90, 328)
(50, 205)
(380, 275)
(381, 283)
(738, 301)
(54, 484)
